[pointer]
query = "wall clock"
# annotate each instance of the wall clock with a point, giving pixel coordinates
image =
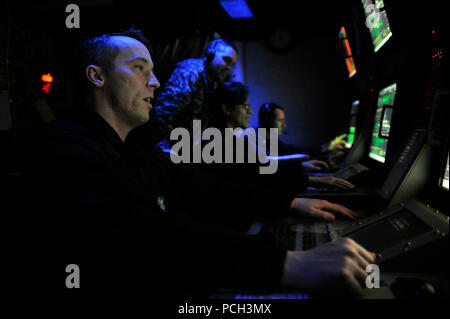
(280, 39)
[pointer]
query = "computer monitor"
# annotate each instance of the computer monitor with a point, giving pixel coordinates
(382, 123)
(377, 22)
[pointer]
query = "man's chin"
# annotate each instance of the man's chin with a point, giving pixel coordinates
(220, 80)
(142, 121)
(223, 78)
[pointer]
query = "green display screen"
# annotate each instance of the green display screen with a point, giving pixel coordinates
(379, 144)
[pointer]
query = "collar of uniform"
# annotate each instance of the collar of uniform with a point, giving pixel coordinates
(210, 84)
(97, 123)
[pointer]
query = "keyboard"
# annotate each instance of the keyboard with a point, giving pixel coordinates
(299, 236)
(281, 295)
(351, 171)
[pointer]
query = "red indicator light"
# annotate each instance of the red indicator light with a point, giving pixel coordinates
(342, 33)
(46, 88)
(47, 78)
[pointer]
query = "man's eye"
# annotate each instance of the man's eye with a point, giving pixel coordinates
(139, 67)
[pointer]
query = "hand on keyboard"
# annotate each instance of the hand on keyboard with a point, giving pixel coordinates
(315, 166)
(321, 209)
(329, 182)
(338, 266)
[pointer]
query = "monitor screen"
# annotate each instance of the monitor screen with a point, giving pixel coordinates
(378, 144)
(444, 176)
(377, 22)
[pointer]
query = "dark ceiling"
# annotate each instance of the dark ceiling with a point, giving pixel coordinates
(165, 19)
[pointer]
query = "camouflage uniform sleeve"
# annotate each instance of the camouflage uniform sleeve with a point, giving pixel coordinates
(175, 97)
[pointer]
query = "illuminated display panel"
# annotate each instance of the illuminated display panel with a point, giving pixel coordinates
(378, 144)
(444, 178)
(347, 52)
(352, 129)
(351, 68)
(380, 31)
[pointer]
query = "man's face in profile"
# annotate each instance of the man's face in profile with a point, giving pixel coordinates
(130, 85)
(222, 64)
(279, 121)
(240, 115)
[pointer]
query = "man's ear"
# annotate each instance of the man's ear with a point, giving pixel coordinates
(95, 75)
(225, 109)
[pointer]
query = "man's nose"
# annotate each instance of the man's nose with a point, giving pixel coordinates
(153, 82)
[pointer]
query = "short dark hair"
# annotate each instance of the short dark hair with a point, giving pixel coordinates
(214, 45)
(230, 94)
(100, 51)
(266, 114)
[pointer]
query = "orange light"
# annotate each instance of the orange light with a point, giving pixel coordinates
(350, 66)
(347, 46)
(47, 78)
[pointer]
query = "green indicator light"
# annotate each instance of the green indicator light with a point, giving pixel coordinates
(351, 139)
(352, 130)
